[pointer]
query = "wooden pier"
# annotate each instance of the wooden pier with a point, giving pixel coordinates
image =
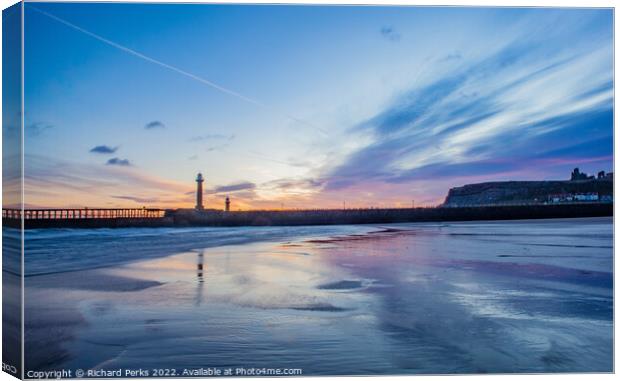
(83, 217)
(48, 214)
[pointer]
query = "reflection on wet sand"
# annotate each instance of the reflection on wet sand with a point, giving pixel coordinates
(200, 277)
(408, 299)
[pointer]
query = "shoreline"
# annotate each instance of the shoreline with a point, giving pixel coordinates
(136, 243)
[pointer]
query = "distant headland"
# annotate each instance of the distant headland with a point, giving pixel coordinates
(581, 196)
(580, 188)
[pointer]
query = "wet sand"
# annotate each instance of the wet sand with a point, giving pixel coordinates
(402, 299)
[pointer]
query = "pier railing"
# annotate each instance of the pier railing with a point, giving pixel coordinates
(84, 213)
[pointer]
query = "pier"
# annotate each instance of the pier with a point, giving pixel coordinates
(142, 217)
(47, 214)
(81, 217)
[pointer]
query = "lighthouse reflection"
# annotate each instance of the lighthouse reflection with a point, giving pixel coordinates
(200, 278)
(200, 267)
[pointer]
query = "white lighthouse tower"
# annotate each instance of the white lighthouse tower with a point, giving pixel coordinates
(199, 181)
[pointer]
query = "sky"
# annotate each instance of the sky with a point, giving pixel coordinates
(308, 106)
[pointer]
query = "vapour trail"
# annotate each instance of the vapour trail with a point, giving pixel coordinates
(173, 68)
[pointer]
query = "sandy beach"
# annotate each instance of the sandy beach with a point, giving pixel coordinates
(519, 296)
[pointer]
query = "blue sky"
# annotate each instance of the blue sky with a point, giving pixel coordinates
(308, 106)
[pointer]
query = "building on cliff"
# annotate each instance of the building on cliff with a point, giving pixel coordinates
(576, 175)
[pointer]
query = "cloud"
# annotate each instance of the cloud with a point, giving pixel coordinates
(154, 124)
(103, 149)
(117, 161)
(526, 106)
(219, 141)
(217, 147)
(242, 186)
(300, 163)
(140, 200)
(209, 137)
(452, 57)
(294, 184)
(51, 182)
(391, 34)
(36, 129)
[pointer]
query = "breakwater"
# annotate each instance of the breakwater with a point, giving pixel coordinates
(214, 218)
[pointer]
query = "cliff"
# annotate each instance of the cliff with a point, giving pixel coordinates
(523, 192)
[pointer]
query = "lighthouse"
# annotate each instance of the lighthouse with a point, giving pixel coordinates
(227, 204)
(199, 181)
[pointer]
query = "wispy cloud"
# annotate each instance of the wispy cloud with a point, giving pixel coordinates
(117, 161)
(52, 182)
(452, 57)
(211, 137)
(503, 113)
(242, 186)
(139, 200)
(217, 147)
(37, 129)
(295, 185)
(154, 124)
(390, 33)
(217, 142)
(103, 149)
